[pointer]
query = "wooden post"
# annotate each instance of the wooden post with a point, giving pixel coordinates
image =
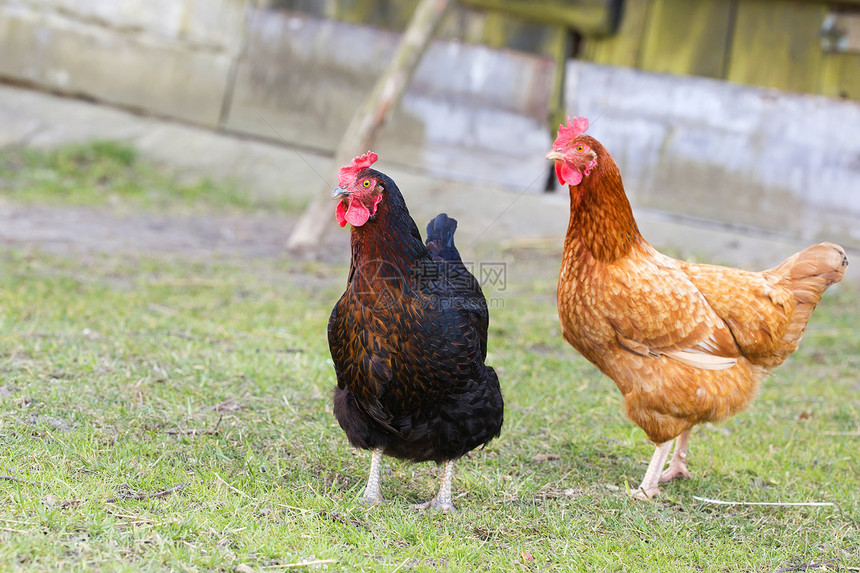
(370, 117)
(556, 109)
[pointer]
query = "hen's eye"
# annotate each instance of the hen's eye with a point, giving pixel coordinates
(366, 183)
(579, 148)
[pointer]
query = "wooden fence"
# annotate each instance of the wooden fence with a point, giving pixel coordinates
(805, 46)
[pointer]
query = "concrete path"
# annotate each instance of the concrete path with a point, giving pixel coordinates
(492, 220)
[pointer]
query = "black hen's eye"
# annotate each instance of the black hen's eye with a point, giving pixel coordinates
(366, 183)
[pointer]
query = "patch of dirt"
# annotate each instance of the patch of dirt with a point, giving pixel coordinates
(7, 391)
(70, 230)
(56, 424)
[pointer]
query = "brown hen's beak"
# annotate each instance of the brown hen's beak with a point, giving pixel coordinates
(339, 192)
(554, 155)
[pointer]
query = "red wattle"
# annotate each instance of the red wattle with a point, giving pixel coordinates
(340, 214)
(357, 214)
(567, 174)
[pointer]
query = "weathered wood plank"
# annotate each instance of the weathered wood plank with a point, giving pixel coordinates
(840, 76)
(623, 48)
(684, 37)
(776, 44)
(588, 17)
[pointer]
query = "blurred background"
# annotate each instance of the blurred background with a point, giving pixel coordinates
(728, 118)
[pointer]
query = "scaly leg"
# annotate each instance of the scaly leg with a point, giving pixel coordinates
(678, 464)
(372, 495)
(443, 500)
(648, 488)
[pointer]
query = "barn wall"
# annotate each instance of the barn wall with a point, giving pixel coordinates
(694, 146)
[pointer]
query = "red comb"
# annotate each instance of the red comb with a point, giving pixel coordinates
(574, 128)
(347, 174)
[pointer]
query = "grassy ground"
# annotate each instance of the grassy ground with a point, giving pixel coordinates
(110, 173)
(172, 413)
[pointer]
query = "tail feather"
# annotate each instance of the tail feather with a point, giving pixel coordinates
(440, 237)
(806, 275)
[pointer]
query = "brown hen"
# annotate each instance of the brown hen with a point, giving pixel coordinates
(685, 343)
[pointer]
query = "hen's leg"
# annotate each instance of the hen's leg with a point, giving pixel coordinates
(648, 488)
(678, 464)
(443, 500)
(372, 495)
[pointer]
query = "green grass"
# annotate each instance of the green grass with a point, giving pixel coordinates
(123, 373)
(110, 173)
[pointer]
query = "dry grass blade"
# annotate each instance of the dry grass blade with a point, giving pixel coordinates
(232, 488)
(766, 503)
(299, 509)
(19, 480)
(804, 566)
(399, 567)
(303, 564)
(210, 432)
(10, 530)
(138, 495)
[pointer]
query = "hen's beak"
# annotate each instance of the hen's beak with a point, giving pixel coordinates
(554, 155)
(339, 192)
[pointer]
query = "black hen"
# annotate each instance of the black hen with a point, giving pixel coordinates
(408, 337)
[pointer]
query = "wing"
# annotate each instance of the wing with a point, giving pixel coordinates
(401, 362)
(657, 310)
(757, 311)
(364, 373)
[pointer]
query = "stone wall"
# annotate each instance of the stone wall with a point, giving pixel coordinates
(694, 147)
(170, 57)
(740, 155)
(470, 112)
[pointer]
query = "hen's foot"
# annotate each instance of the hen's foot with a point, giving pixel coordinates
(678, 464)
(372, 494)
(649, 486)
(645, 494)
(675, 471)
(370, 499)
(443, 501)
(443, 506)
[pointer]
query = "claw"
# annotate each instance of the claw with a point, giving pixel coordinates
(443, 501)
(645, 494)
(675, 472)
(371, 500)
(678, 464)
(443, 506)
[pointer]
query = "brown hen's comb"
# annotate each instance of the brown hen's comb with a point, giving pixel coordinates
(574, 128)
(348, 173)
